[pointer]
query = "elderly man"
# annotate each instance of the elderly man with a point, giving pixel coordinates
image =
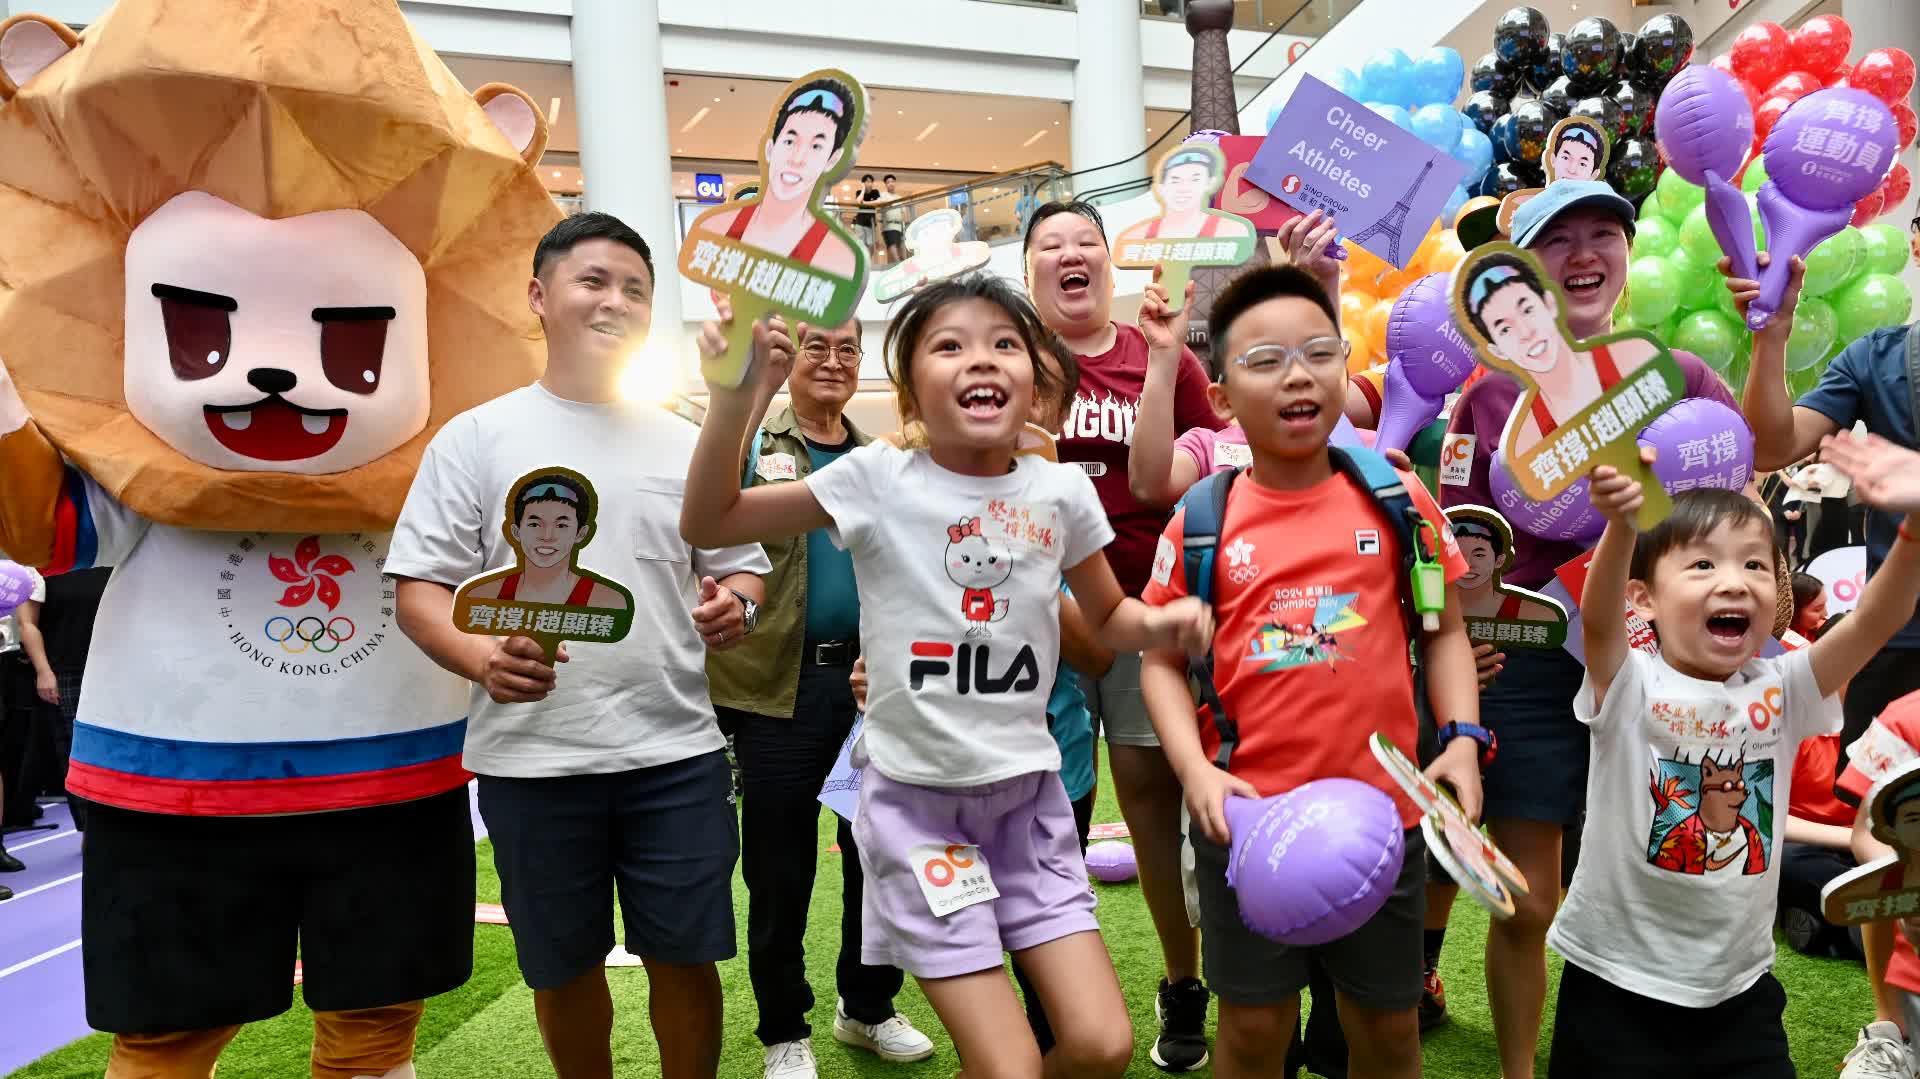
(785, 697)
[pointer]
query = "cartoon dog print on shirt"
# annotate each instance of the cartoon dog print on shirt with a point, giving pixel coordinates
(978, 565)
(1728, 812)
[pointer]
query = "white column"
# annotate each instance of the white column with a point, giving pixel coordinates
(1109, 112)
(620, 99)
(1879, 23)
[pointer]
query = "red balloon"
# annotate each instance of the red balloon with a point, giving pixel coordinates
(1909, 123)
(1761, 53)
(1885, 73)
(1795, 85)
(1898, 186)
(1868, 208)
(1839, 76)
(1821, 44)
(1766, 116)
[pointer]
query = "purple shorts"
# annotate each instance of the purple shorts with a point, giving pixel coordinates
(1025, 833)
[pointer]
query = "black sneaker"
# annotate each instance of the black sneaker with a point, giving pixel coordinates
(1182, 1011)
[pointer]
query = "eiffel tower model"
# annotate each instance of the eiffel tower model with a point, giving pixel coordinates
(1396, 219)
(1214, 109)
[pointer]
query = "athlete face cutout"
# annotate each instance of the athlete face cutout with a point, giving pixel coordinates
(548, 531)
(1186, 188)
(1906, 825)
(1482, 563)
(294, 345)
(1522, 326)
(1573, 160)
(799, 154)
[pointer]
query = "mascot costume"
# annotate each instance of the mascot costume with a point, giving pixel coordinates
(255, 253)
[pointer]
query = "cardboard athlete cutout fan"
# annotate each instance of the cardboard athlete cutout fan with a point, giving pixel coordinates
(1464, 849)
(255, 253)
(777, 250)
(1496, 612)
(1583, 402)
(1578, 148)
(546, 594)
(1186, 233)
(1888, 887)
(937, 254)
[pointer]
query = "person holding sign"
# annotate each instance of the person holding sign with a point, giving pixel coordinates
(610, 778)
(1579, 231)
(1668, 924)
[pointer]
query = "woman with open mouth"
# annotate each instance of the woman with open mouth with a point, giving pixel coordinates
(1535, 789)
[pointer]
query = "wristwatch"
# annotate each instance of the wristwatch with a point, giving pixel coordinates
(750, 609)
(1489, 745)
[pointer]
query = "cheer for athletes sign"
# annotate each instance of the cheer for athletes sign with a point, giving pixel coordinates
(1327, 151)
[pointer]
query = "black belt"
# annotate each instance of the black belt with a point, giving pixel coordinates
(830, 653)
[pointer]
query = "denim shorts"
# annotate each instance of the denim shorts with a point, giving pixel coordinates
(1540, 771)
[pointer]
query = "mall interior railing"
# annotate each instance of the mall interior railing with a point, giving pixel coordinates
(1247, 14)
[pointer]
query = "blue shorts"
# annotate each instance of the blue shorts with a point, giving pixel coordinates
(1540, 772)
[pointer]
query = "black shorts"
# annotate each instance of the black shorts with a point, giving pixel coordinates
(1540, 773)
(892, 236)
(1380, 965)
(663, 839)
(1603, 1031)
(193, 922)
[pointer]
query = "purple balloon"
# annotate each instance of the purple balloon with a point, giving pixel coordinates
(1313, 864)
(1700, 443)
(1422, 339)
(1112, 861)
(16, 586)
(1704, 126)
(1404, 411)
(1568, 517)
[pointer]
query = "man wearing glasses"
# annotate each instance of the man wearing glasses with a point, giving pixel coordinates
(784, 696)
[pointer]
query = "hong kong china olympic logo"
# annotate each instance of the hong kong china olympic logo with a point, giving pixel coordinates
(310, 632)
(309, 576)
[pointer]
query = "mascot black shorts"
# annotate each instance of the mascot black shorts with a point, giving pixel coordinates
(193, 922)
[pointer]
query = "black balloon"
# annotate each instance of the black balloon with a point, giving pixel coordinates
(1520, 37)
(1558, 96)
(1636, 108)
(1527, 134)
(1604, 110)
(1504, 179)
(1634, 167)
(1483, 108)
(1547, 69)
(1628, 40)
(1665, 45)
(1591, 53)
(1492, 73)
(1503, 138)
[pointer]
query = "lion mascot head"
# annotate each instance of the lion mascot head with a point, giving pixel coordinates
(257, 252)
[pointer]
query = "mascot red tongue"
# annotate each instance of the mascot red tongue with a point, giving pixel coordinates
(256, 253)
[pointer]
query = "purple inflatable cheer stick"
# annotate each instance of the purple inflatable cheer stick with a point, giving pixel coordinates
(1704, 126)
(1828, 151)
(1427, 359)
(16, 586)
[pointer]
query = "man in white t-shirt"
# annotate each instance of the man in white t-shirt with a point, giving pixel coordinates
(606, 772)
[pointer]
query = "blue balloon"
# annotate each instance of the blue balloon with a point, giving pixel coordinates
(1437, 125)
(1348, 81)
(1438, 76)
(1394, 113)
(1475, 151)
(1388, 76)
(1454, 202)
(1273, 114)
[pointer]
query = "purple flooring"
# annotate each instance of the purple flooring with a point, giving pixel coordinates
(42, 1005)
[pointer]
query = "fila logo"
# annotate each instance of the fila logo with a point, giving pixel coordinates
(930, 659)
(1366, 540)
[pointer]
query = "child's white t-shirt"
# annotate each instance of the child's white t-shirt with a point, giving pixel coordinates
(959, 581)
(1675, 893)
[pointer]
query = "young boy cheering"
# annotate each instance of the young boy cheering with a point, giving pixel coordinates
(1305, 551)
(1667, 929)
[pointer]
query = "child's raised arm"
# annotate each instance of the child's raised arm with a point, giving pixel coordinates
(1127, 625)
(1887, 478)
(1151, 458)
(715, 512)
(1603, 603)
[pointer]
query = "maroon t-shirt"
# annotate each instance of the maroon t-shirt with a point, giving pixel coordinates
(1099, 432)
(1482, 412)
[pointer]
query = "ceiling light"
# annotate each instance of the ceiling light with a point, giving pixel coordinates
(989, 117)
(716, 101)
(1035, 137)
(679, 149)
(553, 112)
(925, 131)
(556, 174)
(899, 112)
(1056, 123)
(697, 117)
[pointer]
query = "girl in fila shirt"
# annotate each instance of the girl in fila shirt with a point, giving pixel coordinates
(962, 787)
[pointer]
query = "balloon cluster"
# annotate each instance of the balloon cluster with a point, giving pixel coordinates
(1371, 286)
(1674, 291)
(1418, 95)
(1776, 67)
(1534, 78)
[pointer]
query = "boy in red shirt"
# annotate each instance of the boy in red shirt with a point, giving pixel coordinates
(1311, 659)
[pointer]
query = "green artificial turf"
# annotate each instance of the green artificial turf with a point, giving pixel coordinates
(485, 1030)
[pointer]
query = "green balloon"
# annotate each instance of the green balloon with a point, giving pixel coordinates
(1834, 262)
(1814, 328)
(1655, 236)
(1874, 301)
(1709, 336)
(1723, 303)
(1886, 248)
(1697, 281)
(1755, 175)
(1653, 290)
(1801, 382)
(1650, 209)
(1678, 198)
(1737, 368)
(1696, 237)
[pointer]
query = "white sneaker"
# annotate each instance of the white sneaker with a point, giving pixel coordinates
(791, 1060)
(1879, 1053)
(894, 1040)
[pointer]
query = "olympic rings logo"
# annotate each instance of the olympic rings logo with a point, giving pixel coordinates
(324, 637)
(1243, 574)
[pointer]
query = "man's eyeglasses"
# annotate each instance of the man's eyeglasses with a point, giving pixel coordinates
(1317, 355)
(817, 352)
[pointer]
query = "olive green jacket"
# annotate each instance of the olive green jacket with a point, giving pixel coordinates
(762, 675)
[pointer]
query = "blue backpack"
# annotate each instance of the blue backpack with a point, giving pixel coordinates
(1206, 505)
